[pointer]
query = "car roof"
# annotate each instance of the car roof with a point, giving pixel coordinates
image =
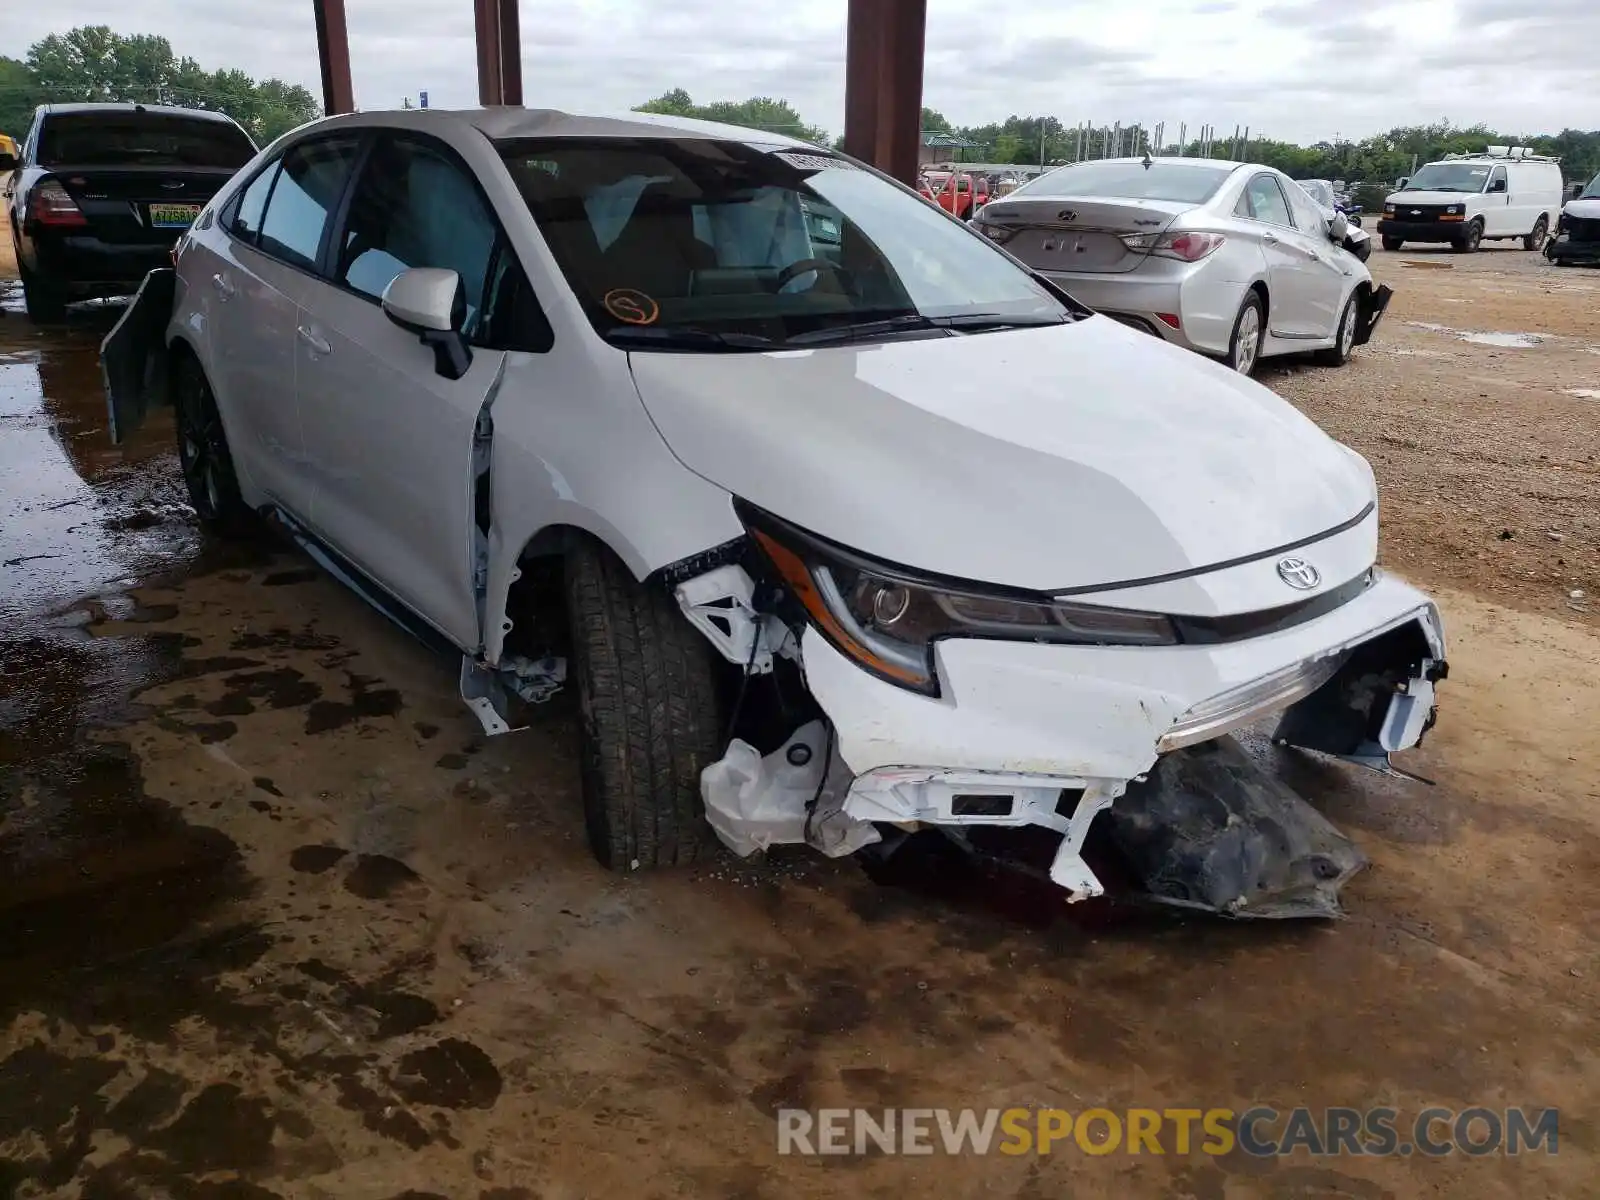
(163, 110)
(512, 122)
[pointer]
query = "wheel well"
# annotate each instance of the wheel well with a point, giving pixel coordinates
(553, 541)
(1259, 287)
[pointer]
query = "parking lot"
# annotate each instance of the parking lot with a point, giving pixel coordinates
(276, 921)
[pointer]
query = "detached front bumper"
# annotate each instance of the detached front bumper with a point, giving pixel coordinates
(1563, 249)
(1033, 734)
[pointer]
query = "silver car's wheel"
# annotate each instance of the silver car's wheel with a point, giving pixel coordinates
(1345, 340)
(1245, 348)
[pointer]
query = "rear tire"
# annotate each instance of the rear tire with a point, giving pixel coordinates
(46, 305)
(1535, 240)
(1249, 330)
(204, 456)
(1344, 337)
(650, 721)
(1391, 244)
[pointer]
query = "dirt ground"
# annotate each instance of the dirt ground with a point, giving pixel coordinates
(276, 921)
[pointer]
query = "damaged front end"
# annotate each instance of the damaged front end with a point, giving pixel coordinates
(1019, 732)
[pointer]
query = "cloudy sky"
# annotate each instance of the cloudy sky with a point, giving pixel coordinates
(1295, 69)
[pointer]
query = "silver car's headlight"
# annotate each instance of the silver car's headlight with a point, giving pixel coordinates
(887, 618)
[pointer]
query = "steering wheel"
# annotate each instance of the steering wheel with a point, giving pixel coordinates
(805, 265)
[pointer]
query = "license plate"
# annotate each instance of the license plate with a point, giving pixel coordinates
(173, 216)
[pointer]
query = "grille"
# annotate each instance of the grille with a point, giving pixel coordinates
(1419, 212)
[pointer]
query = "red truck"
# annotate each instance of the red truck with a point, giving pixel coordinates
(960, 192)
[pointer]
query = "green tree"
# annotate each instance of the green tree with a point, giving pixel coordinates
(93, 63)
(933, 121)
(758, 112)
(19, 96)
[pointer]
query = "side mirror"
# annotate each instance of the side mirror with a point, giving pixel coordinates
(1338, 227)
(430, 302)
(1401, 186)
(1498, 185)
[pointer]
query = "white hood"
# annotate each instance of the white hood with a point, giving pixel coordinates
(1401, 199)
(1585, 210)
(1048, 459)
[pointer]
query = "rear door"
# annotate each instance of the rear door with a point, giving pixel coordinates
(258, 277)
(140, 178)
(1293, 274)
(389, 440)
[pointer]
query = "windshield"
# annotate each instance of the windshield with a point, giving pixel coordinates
(1450, 177)
(1319, 190)
(1191, 183)
(665, 236)
(141, 139)
(1592, 192)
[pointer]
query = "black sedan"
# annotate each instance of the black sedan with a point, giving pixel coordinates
(101, 192)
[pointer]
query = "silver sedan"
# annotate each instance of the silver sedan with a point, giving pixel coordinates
(1229, 259)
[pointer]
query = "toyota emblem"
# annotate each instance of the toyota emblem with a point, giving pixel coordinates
(1298, 574)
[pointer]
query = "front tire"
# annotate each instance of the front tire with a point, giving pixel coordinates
(1469, 242)
(1391, 244)
(1535, 240)
(1344, 338)
(204, 456)
(1249, 329)
(650, 721)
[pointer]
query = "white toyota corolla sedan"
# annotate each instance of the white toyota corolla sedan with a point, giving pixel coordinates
(859, 524)
(1233, 260)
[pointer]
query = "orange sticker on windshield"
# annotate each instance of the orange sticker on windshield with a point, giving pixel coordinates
(631, 306)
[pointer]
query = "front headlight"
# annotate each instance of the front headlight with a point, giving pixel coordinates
(887, 619)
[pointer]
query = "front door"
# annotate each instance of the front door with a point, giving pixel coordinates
(389, 441)
(1499, 218)
(1291, 270)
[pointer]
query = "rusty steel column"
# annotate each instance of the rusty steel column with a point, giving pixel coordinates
(499, 51)
(333, 55)
(883, 84)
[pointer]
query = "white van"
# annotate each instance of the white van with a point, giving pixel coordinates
(1464, 199)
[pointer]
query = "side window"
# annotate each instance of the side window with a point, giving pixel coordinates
(1267, 202)
(307, 189)
(244, 218)
(414, 207)
(1497, 180)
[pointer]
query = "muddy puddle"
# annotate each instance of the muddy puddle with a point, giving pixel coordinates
(1499, 340)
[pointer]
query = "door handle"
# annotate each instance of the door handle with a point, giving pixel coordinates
(1270, 239)
(220, 282)
(312, 340)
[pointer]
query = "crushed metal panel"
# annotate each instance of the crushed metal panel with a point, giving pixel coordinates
(721, 605)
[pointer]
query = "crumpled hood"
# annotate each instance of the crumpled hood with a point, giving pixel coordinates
(1051, 459)
(1586, 210)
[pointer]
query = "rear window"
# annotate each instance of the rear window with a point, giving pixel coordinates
(141, 139)
(1190, 183)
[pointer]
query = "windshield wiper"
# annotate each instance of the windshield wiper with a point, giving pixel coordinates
(860, 329)
(657, 337)
(979, 321)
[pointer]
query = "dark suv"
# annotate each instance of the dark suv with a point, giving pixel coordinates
(102, 191)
